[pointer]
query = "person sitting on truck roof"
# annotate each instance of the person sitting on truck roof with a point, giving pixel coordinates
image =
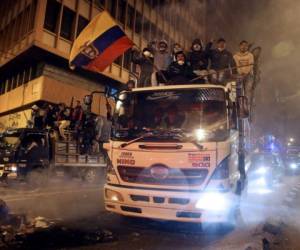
(180, 71)
(222, 62)
(198, 58)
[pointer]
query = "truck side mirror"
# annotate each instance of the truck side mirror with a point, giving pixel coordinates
(243, 107)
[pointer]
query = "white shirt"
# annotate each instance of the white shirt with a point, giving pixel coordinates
(243, 59)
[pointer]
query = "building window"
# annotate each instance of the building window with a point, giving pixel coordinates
(121, 11)
(138, 23)
(127, 59)
(146, 28)
(82, 23)
(27, 74)
(100, 3)
(2, 86)
(52, 14)
(112, 7)
(32, 14)
(160, 34)
(153, 31)
(130, 16)
(67, 23)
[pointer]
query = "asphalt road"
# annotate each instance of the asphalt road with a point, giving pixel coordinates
(80, 207)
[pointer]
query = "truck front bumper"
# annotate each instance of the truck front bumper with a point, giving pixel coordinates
(169, 205)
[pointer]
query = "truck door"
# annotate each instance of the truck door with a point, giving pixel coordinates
(36, 148)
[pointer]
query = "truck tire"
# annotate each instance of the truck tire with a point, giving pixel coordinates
(91, 176)
(37, 177)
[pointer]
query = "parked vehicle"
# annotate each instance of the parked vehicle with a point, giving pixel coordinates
(266, 169)
(33, 155)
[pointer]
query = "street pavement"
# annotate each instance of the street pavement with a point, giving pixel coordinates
(74, 204)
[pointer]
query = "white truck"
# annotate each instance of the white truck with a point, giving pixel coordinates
(176, 153)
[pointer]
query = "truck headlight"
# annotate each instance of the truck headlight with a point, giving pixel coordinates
(13, 168)
(213, 201)
(293, 166)
(262, 170)
(200, 134)
(113, 195)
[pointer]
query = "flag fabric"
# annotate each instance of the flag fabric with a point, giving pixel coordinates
(99, 44)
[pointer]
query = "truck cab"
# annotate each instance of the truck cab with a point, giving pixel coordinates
(22, 150)
(174, 154)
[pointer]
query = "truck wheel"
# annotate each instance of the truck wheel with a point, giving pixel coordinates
(91, 176)
(234, 220)
(37, 177)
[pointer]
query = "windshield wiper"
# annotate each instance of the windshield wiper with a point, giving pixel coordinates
(145, 135)
(158, 133)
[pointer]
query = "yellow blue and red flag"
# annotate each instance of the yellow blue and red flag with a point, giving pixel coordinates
(99, 44)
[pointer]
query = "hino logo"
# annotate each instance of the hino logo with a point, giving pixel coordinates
(159, 172)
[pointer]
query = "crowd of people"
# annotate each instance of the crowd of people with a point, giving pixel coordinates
(84, 127)
(159, 64)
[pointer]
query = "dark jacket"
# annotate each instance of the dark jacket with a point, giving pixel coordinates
(199, 59)
(221, 59)
(146, 65)
(180, 73)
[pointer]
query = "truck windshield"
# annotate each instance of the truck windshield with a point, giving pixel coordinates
(9, 140)
(182, 109)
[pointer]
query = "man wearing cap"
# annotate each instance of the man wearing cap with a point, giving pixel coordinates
(222, 62)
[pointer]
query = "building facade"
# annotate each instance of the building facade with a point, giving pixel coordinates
(36, 38)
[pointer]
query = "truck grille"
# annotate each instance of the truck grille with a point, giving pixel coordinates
(176, 176)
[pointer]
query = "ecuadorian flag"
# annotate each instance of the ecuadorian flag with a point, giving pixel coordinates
(99, 44)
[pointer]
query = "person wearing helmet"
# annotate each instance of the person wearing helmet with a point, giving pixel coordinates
(180, 71)
(198, 58)
(145, 61)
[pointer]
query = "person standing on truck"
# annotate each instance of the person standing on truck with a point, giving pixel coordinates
(244, 60)
(77, 116)
(180, 71)
(222, 63)
(50, 116)
(145, 61)
(63, 120)
(37, 117)
(162, 59)
(198, 58)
